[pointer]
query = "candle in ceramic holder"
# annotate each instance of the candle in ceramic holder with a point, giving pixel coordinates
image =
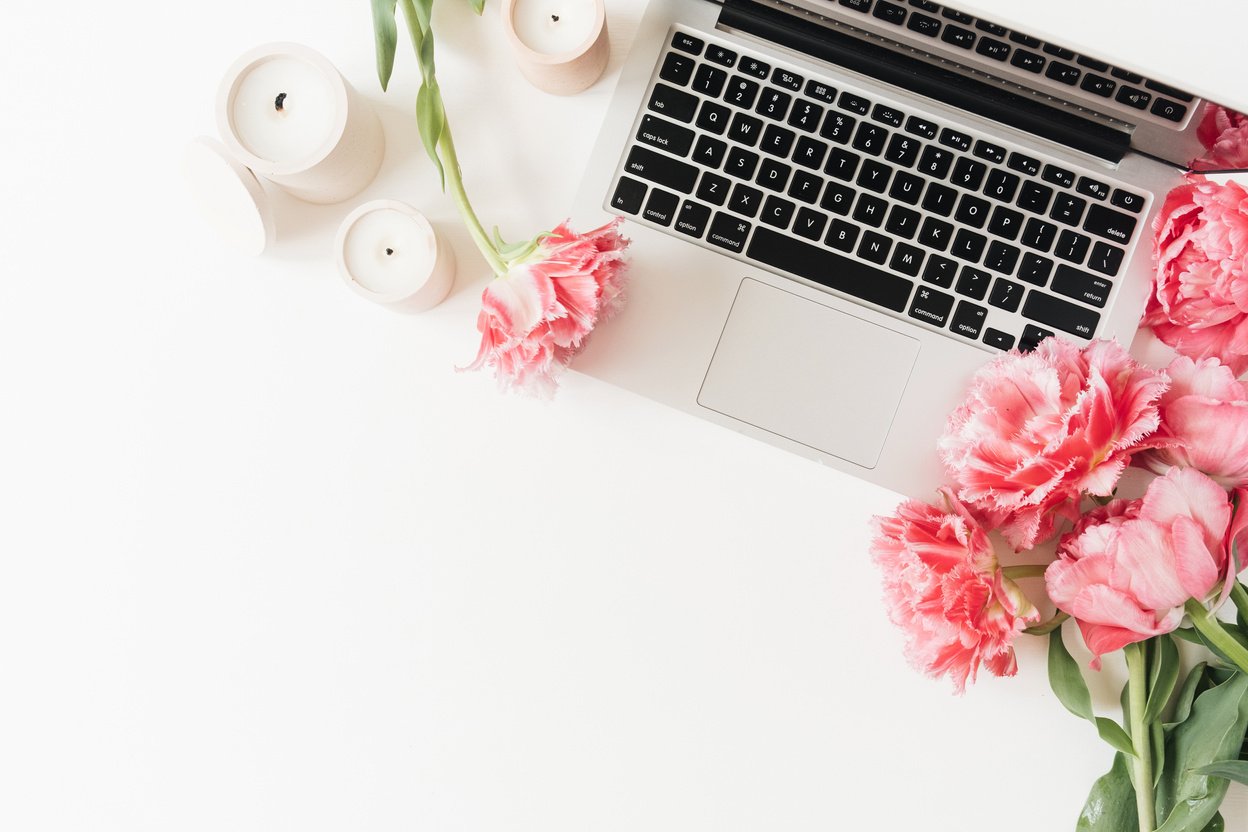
(287, 114)
(561, 46)
(389, 253)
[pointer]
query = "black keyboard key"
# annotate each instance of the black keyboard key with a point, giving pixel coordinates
(784, 78)
(1092, 188)
(810, 224)
(1106, 259)
(827, 268)
(1060, 314)
(805, 115)
(1129, 201)
(745, 200)
(902, 150)
(870, 210)
(745, 129)
(989, 151)
(728, 232)
(741, 163)
(1081, 286)
(1059, 51)
(874, 247)
(842, 164)
(854, 103)
(1029, 61)
(838, 127)
(1092, 63)
(741, 92)
(1164, 89)
(1133, 97)
(968, 246)
(721, 55)
(954, 139)
(673, 103)
(777, 141)
(629, 194)
(660, 169)
(713, 118)
(1110, 224)
(969, 320)
(890, 12)
(906, 188)
(805, 186)
(773, 175)
(661, 207)
(1068, 208)
(661, 133)
(920, 127)
(1058, 176)
(1126, 75)
(935, 162)
(935, 233)
(1001, 257)
(1072, 246)
(821, 91)
(863, 6)
(1032, 336)
(1034, 197)
(713, 188)
(887, 115)
(931, 307)
(843, 235)
(755, 68)
(810, 153)
(677, 68)
(939, 199)
(972, 211)
(1024, 164)
(1001, 185)
(837, 198)
(991, 48)
(924, 25)
(687, 43)
(1025, 40)
(773, 103)
(996, 338)
(1006, 295)
(968, 173)
(973, 283)
(1098, 85)
(1167, 109)
(940, 271)
(778, 212)
(1063, 73)
(1035, 269)
(1006, 223)
(902, 222)
(709, 152)
(957, 16)
(956, 35)
(693, 219)
(1039, 234)
(710, 81)
(874, 176)
(990, 27)
(870, 138)
(907, 260)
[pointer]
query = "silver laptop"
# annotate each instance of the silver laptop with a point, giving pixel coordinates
(841, 209)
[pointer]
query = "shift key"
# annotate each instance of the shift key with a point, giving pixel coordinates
(663, 170)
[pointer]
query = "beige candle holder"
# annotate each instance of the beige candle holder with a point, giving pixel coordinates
(566, 73)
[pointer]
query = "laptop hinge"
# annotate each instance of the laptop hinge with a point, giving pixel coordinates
(926, 79)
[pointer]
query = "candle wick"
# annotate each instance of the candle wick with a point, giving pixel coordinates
(279, 103)
(389, 251)
(554, 18)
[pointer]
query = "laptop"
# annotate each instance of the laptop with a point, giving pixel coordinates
(841, 209)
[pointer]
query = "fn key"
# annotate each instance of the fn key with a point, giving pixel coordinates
(628, 195)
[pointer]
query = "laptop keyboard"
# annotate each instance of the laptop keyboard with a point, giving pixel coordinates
(902, 211)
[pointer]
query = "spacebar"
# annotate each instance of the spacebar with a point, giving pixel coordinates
(852, 277)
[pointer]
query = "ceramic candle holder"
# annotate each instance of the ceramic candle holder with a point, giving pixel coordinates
(561, 46)
(388, 252)
(286, 113)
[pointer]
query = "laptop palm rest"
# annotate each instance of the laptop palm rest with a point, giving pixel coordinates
(810, 373)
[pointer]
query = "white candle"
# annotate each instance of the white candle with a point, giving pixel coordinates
(561, 46)
(289, 115)
(388, 252)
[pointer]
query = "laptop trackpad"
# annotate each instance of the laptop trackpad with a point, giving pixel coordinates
(809, 373)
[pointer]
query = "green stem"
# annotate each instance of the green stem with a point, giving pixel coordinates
(1239, 596)
(1218, 637)
(455, 179)
(1140, 737)
(1048, 626)
(1030, 570)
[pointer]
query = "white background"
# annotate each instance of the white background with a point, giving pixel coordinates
(270, 563)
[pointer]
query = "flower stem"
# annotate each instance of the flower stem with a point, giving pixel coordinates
(1048, 626)
(1140, 737)
(455, 180)
(1218, 637)
(1029, 570)
(1239, 596)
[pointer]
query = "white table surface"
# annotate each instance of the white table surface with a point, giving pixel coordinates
(270, 563)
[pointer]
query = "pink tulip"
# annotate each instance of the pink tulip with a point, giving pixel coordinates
(1224, 133)
(944, 589)
(1040, 429)
(1199, 303)
(535, 318)
(1126, 570)
(1205, 413)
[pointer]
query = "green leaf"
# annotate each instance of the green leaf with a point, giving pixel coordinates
(478, 6)
(1188, 634)
(1163, 675)
(1236, 770)
(386, 35)
(1215, 825)
(431, 120)
(1183, 707)
(1157, 744)
(1111, 803)
(1114, 734)
(1066, 679)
